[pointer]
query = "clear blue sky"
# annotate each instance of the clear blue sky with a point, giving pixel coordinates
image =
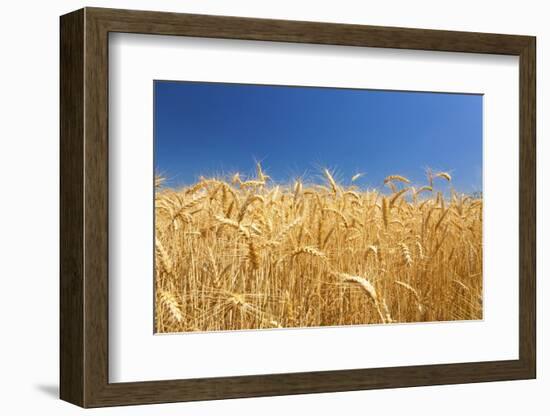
(217, 128)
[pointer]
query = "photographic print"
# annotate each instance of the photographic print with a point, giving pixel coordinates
(293, 207)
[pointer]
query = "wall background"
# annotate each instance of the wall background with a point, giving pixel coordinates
(29, 211)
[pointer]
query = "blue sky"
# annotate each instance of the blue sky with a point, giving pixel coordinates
(217, 128)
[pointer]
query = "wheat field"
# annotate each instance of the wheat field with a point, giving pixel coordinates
(245, 253)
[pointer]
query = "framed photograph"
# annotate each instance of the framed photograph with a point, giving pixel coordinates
(255, 207)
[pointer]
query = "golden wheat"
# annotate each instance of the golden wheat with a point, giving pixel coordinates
(246, 253)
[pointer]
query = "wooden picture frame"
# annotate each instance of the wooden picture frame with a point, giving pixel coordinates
(84, 207)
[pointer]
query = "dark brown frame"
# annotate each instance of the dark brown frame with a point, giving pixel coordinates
(84, 208)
